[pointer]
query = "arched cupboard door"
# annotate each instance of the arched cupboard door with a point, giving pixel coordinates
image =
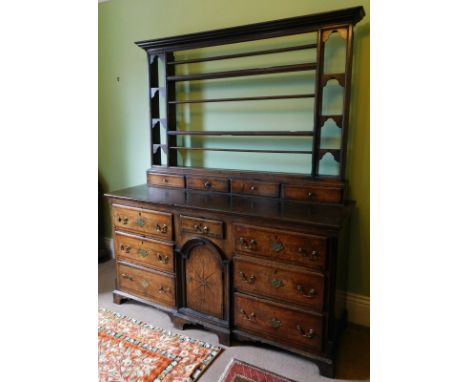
(204, 278)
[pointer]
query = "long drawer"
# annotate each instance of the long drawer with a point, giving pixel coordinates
(157, 287)
(274, 321)
(272, 280)
(142, 221)
(143, 251)
(281, 245)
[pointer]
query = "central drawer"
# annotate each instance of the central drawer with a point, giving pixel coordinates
(281, 245)
(142, 221)
(288, 326)
(143, 251)
(190, 224)
(157, 287)
(280, 283)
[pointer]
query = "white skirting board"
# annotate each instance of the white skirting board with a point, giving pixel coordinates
(358, 306)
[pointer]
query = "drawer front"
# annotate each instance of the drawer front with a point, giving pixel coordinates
(208, 184)
(289, 326)
(153, 286)
(143, 221)
(166, 180)
(149, 253)
(203, 227)
(286, 246)
(315, 194)
(242, 186)
(279, 283)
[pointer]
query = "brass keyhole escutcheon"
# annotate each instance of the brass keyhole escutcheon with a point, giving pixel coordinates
(275, 323)
(277, 246)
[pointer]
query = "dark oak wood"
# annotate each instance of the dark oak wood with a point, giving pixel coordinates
(246, 133)
(245, 54)
(241, 150)
(257, 256)
(237, 99)
(244, 72)
(269, 29)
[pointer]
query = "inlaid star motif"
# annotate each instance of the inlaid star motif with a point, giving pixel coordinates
(201, 280)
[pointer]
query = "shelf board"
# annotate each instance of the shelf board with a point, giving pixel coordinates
(244, 72)
(237, 99)
(239, 150)
(245, 54)
(245, 133)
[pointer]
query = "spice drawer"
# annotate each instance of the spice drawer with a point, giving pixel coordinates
(143, 251)
(284, 324)
(208, 183)
(142, 221)
(166, 180)
(313, 194)
(291, 247)
(274, 281)
(252, 187)
(157, 287)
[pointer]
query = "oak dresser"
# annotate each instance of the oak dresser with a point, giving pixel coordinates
(250, 255)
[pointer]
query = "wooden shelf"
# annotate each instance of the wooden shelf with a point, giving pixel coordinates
(246, 54)
(245, 72)
(237, 99)
(245, 133)
(239, 150)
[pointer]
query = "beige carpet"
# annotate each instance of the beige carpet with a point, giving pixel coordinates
(276, 361)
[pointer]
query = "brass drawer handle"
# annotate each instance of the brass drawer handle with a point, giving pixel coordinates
(165, 180)
(142, 252)
(161, 229)
(311, 293)
(248, 317)
(249, 280)
(145, 284)
(125, 249)
(251, 245)
(123, 220)
(126, 276)
(277, 283)
(275, 323)
(140, 222)
(277, 246)
(310, 194)
(309, 334)
(207, 184)
(252, 188)
(162, 258)
(303, 252)
(201, 228)
(163, 289)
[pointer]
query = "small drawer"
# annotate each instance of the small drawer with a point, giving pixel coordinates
(272, 280)
(142, 221)
(157, 287)
(252, 187)
(166, 180)
(146, 252)
(281, 245)
(314, 194)
(205, 227)
(208, 184)
(278, 322)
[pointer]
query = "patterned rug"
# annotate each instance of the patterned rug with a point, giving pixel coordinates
(133, 351)
(238, 371)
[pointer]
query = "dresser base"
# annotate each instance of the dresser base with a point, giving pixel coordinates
(326, 365)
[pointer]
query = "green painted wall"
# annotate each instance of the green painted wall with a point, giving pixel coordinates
(124, 153)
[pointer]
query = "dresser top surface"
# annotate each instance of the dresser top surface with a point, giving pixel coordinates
(325, 215)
